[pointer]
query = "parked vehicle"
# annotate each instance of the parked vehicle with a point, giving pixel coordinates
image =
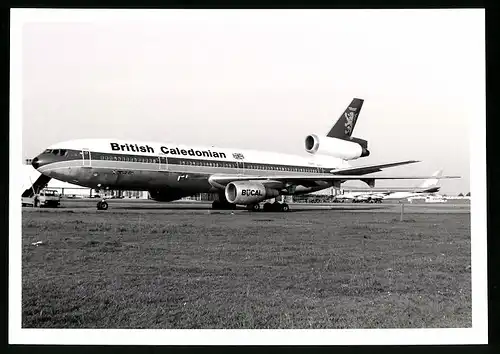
(46, 197)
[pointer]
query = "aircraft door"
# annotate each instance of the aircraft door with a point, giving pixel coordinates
(163, 163)
(86, 158)
(240, 167)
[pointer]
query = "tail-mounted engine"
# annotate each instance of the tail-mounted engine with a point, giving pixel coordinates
(344, 149)
(248, 192)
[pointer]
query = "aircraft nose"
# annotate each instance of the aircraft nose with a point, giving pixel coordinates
(40, 161)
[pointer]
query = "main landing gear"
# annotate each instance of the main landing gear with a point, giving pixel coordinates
(102, 205)
(270, 207)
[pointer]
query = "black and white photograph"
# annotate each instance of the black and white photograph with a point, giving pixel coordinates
(298, 177)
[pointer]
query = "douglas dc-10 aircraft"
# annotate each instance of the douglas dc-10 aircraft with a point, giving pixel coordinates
(171, 171)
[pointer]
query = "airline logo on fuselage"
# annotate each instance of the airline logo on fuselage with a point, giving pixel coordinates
(166, 150)
(251, 192)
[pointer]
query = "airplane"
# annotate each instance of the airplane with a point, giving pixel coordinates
(429, 186)
(171, 171)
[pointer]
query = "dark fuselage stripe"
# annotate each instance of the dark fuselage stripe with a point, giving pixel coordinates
(160, 160)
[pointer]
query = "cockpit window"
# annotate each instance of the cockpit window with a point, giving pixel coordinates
(63, 152)
(48, 151)
(55, 152)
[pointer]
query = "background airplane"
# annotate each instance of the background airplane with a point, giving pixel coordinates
(429, 186)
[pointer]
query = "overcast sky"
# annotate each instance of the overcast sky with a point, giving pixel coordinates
(262, 80)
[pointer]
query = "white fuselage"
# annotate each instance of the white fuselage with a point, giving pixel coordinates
(180, 169)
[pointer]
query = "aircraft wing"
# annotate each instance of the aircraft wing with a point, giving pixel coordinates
(361, 170)
(307, 180)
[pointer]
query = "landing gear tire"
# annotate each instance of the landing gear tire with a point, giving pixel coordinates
(254, 207)
(285, 207)
(102, 205)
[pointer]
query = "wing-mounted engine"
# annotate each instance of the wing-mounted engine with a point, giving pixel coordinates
(248, 192)
(344, 149)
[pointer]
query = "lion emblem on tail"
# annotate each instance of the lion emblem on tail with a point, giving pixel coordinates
(349, 120)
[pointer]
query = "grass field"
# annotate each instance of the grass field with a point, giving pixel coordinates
(200, 269)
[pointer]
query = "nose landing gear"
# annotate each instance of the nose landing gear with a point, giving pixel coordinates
(102, 205)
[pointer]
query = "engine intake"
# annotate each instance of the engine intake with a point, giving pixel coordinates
(248, 192)
(344, 149)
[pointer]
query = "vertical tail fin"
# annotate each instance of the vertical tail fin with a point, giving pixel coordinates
(430, 185)
(345, 125)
